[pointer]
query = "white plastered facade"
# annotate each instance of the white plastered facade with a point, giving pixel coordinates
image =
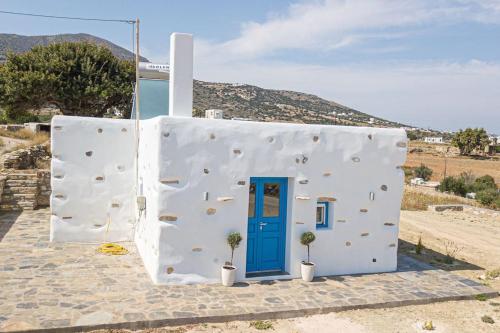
(182, 158)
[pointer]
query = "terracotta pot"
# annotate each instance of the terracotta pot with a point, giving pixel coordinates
(307, 271)
(228, 274)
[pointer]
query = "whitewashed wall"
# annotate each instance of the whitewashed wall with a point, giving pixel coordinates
(186, 157)
(93, 179)
(148, 229)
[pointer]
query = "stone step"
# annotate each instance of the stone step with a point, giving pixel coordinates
(18, 196)
(21, 176)
(20, 182)
(20, 190)
(22, 205)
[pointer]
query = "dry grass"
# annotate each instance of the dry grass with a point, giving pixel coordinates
(39, 138)
(23, 134)
(29, 139)
(413, 200)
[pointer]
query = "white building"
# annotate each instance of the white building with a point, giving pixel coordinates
(214, 114)
(198, 179)
(433, 139)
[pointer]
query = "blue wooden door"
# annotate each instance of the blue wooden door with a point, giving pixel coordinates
(266, 224)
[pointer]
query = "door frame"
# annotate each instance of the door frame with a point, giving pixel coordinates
(283, 210)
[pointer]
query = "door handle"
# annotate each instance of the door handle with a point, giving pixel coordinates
(261, 224)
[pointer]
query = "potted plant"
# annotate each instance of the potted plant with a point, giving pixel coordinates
(307, 267)
(228, 271)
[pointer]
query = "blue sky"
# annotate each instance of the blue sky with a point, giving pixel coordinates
(429, 63)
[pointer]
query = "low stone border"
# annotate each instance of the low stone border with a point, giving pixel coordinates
(148, 324)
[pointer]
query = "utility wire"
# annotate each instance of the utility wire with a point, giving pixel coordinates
(68, 17)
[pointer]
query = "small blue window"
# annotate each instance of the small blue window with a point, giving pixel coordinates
(322, 213)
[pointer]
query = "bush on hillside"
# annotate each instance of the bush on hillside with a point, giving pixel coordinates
(487, 197)
(453, 185)
(423, 172)
(484, 183)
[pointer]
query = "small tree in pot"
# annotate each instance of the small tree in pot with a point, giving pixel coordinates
(228, 271)
(307, 267)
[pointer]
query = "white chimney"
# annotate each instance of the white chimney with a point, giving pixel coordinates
(181, 75)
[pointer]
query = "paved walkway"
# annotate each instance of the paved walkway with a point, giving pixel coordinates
(70, 287)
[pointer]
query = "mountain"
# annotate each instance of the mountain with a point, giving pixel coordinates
(20, 44)
(254, 103)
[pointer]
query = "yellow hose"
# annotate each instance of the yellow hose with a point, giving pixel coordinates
(112, 249)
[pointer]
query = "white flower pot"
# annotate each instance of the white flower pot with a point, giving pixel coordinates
(228, 274)
(307, 271)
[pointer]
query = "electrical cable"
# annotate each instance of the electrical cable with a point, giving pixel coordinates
(68, 17)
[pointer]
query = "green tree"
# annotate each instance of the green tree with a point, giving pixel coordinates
(470, 139)
(78, 78)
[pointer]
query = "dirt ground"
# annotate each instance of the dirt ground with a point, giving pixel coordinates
(433, 157)
(9, 143)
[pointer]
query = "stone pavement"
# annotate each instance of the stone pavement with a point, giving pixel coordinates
(69, 287)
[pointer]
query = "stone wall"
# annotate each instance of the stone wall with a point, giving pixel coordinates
(2, 184)
(28, 158)
(23, 185)
(43, 188)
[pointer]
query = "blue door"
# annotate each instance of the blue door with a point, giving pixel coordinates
(266, 224)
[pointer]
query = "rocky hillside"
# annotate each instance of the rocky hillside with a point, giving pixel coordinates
(251, 102)
(19, 43)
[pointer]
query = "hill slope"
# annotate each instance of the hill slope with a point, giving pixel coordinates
(251, 102)
(20, 43)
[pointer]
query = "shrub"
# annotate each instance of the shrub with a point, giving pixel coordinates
(453, 185)
(452, 251)
(306, 239)
(487, 197)
(422, 172)
(483, 183)
(233, 239)
(419, 247)
(261, 325)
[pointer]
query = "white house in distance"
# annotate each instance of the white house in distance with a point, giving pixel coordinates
(433, 139)
(214, 114)
(178, 185)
